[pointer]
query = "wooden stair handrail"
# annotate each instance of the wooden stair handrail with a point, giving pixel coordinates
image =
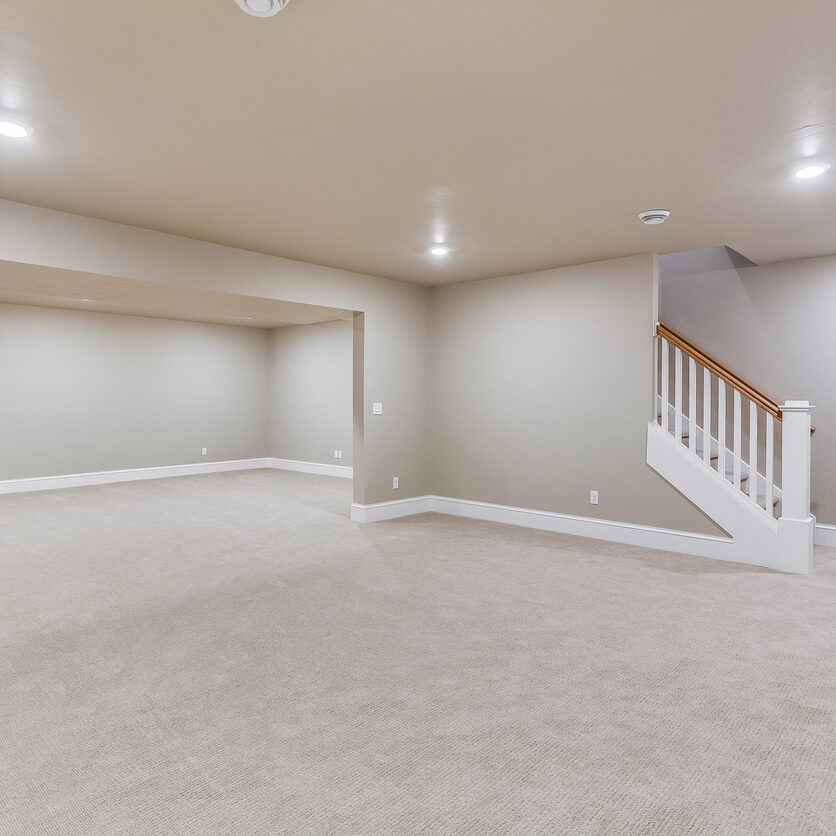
(724, 373)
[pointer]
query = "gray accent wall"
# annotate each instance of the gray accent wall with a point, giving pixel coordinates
(776, 327)
(89, 392)
(311, 369)
(542, 391)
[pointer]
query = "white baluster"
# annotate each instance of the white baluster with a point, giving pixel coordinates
(770, 463)
(721, 427)
(666, 351)
(706, 416)
(692, 406)
(657, 347)
(738, 440)
(753, 451)
(677, 395)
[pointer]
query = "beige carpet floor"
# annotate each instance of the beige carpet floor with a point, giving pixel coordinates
(230, 654)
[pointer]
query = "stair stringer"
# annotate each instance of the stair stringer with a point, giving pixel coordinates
(753, 533)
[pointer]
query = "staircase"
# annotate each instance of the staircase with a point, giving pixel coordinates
(738, 455)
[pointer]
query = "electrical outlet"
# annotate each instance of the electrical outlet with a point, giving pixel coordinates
(338, 454)
(394, 483)
(204, 451)
(377, 409)
(593, 497)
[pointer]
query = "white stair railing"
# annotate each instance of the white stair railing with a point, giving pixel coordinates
(758, 425)
(748, 467)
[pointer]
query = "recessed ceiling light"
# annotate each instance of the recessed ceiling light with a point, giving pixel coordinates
(14, 130)
(262, 8)
(654, 216)
(440, 251)
(807, 172)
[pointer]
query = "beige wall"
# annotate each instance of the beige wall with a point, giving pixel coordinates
(541, 383)
(87, 392)
(774, 326)
(310, 392)
(542, 390)
(396, 321)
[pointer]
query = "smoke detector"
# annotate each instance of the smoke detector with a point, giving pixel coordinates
(654, 216)
(261, 8)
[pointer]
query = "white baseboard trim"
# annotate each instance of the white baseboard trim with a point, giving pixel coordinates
(826, 535)
(313, 467)
(665, 539)
(683, 542)
(380, 511)
(108, 477)
(79, 480)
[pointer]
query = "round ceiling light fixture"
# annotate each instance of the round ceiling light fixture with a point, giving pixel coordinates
(810, 170)
(14, 130)
(439, 250)
(261, 8)
(654, 216)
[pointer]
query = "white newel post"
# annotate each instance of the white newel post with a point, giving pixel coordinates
(796, 527)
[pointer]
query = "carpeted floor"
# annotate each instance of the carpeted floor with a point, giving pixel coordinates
(230, 654)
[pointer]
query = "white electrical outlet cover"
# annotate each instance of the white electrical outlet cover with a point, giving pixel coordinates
(394, 483)
(377, 409)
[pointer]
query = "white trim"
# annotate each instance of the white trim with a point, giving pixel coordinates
(107, 477)
(78, 480)
(632, 534)
(339, 470)
(826, 535)
(380, 511)
(753, 531)
(683, 542)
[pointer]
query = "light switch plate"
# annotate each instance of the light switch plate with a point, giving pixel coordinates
(377, 409)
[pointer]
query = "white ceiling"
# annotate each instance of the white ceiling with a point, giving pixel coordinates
(50, 287)
(528, 134)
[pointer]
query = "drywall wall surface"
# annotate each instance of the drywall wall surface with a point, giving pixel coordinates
(89, 392)
(358, 393)
(396, 318)
(774, 326)
(310, 393)
(542, 391)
